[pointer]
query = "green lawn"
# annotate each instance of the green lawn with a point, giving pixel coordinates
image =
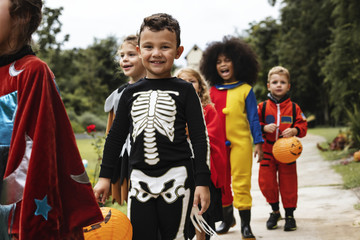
(328, 133)
(350, 172)
(88, 152)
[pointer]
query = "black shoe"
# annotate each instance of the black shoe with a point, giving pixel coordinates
(229, 220)
(247, 233)
(224, 227)
(273, 220)
(245, 216)
(290, 224)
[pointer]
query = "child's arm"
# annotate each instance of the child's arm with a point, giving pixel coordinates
(253, 118)
(116, 137)
(201, 148)
(258, 152)
(289, 132)
(270, 128)
(202, 196)
(300, 125)
(102, 189)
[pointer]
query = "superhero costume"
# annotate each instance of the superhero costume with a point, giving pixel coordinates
(45, 180)
(273, 175)
(236, 105)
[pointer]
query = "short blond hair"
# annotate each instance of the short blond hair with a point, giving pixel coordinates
(279, 70)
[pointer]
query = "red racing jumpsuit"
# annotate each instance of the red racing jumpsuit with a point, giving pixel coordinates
(273, 175)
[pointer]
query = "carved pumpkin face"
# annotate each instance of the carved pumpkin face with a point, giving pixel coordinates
(287, 150)
(116, 226)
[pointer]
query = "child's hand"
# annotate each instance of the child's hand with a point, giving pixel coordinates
(258, 152)
(202, 195)
(101, 190)
(270, 128)
(289, 132)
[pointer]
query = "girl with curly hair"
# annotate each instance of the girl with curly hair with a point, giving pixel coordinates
(231, 68)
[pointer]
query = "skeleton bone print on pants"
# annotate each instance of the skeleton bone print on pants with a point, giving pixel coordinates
(170, 186)
(153, 110)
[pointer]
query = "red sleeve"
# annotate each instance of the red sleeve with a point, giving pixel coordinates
(217, 146)
(300, 122)
(261, 117)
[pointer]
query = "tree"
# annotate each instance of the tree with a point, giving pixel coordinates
(341, 66)
(264, 38)
(304, 41)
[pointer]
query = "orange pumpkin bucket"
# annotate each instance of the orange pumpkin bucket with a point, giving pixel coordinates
(287, 150)
(116, 226)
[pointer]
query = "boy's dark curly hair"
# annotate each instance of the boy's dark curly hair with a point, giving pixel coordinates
(161, 21)
(244, 59)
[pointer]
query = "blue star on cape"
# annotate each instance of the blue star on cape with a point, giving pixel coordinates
(42, 208)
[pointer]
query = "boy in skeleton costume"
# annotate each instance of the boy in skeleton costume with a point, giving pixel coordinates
(155, 111)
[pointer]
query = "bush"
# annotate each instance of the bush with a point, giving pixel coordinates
(88, 118)
(354, 125)
(76, 126)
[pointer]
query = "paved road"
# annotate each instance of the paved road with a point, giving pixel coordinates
(325, 210)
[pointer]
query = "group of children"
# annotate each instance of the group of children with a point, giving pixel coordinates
(174, 147)
(176, 136)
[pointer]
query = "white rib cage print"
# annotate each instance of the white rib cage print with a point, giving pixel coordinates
(153, 110)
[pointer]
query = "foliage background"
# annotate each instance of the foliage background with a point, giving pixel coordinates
(318, 41)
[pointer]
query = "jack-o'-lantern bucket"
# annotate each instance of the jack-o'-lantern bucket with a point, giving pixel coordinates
(116, 226)
(287, 150)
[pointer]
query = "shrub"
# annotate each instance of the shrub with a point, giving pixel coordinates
(354, 125)
(89, 118)
(76, 126)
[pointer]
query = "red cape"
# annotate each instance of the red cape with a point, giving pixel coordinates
(67, 204)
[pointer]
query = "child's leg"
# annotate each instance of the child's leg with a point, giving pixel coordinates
(288, 184)
(143, 218)
(227, 197)
(175, 204)
(241, 165)
(268, 177)
(165, 198)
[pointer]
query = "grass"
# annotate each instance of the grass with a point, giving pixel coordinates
(88, 152)
(329, 133)
(350, 172)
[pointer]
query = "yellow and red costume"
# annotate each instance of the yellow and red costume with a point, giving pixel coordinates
(273, 175)
(237, 108)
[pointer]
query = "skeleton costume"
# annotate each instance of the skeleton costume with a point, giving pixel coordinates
(163, 176)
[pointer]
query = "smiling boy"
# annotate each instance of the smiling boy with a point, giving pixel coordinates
(155, 111)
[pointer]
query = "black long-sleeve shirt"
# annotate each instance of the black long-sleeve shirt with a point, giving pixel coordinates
(156, 112)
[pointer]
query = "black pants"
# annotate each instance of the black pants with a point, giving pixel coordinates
(160, 202)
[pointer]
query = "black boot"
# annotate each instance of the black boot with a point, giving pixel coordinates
(229, 220)
(246, 232)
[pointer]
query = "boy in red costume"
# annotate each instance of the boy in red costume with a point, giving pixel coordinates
(279, 117)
